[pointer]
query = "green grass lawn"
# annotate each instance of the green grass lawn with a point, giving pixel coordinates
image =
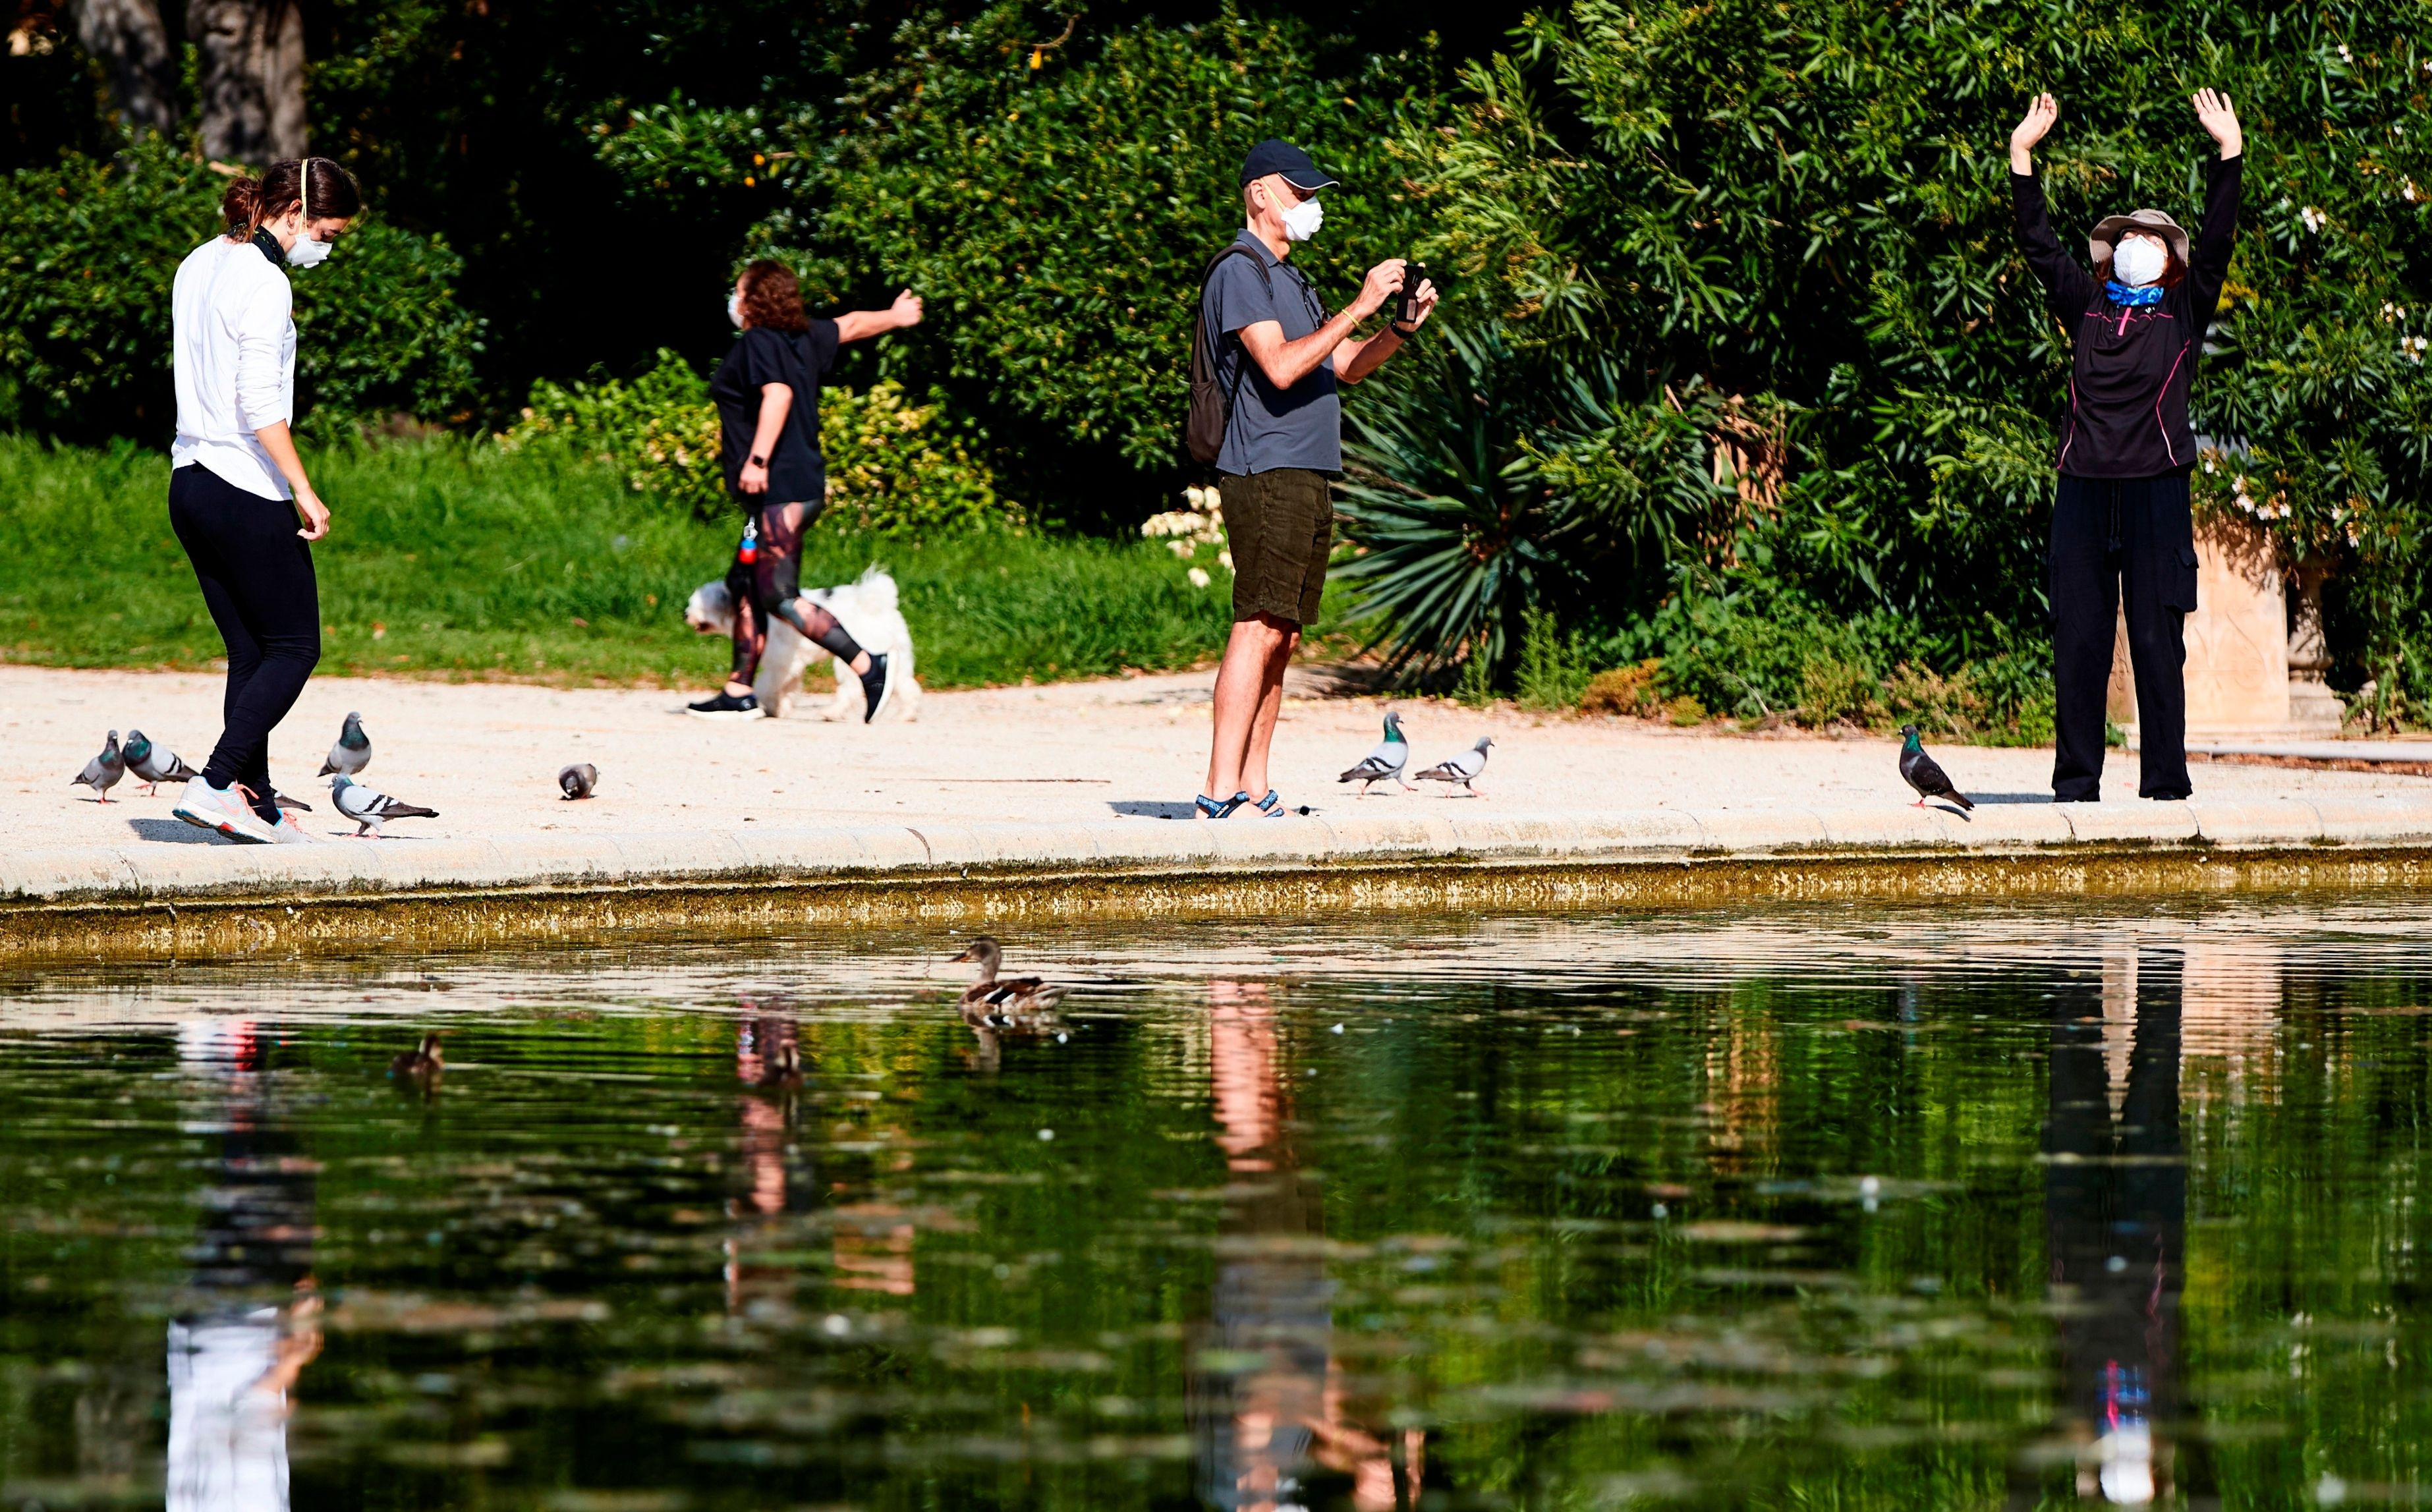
(455, 560)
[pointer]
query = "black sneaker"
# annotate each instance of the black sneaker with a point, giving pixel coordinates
(876, 688)
(727, 706)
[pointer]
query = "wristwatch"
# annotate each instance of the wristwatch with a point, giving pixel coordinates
(757, 460)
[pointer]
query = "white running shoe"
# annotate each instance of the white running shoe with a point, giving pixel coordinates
(225, 810)
(288, 832)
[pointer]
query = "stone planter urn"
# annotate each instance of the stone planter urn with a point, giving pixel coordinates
(2256, 654)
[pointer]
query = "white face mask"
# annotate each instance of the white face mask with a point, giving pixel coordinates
(2138, 260)
(1302, 221)
(306, 253)
(734, 308)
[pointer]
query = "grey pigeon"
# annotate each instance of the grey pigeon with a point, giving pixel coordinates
(1924, 774)
(1462, 768)
(577, 780)
(1387, 761)
(154, 764)
(102, 773)
(283, 800)
(353, 752)
(368, 808)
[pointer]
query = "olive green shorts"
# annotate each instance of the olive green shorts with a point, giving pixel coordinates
(1279, 526)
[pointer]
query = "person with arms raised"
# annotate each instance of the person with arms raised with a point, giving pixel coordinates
(2123, 533)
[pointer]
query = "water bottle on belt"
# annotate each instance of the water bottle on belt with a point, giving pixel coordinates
(747, 551)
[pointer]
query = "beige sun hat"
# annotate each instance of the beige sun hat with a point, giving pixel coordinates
(2106, 235)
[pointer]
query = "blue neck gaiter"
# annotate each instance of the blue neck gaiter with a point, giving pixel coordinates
(2138, 298)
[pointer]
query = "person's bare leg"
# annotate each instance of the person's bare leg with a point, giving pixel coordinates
(1240, 689)
(1271, 705)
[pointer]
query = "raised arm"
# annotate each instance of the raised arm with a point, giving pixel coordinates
(855, 325)
(2064, 279)
(2208, 259)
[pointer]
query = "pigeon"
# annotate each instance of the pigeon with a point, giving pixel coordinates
(283, 800)
(154, 765)
(368, 808)
(577, 780)
(102, 773)
(1923, 774)
(1462, 768)
(353, 752)
(1386, 761)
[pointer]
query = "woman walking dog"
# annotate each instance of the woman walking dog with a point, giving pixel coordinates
(2121, 520)
(768, 398)
(238, 493)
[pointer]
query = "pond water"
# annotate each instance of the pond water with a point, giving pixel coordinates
(1832, 1207)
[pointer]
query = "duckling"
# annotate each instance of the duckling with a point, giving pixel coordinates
(422, 1063)
(1022, 1005)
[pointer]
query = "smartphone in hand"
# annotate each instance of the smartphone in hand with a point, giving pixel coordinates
(1413, 274)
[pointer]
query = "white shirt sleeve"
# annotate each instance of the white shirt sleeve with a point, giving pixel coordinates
(260, 327)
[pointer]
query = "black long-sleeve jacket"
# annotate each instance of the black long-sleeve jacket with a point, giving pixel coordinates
(2128, 382)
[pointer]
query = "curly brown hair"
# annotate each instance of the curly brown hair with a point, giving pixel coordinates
(772, 296)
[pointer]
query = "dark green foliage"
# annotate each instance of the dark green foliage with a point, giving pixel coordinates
(1057, 217)
(89, 250)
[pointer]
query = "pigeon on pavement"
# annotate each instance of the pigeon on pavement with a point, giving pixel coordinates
(368, 808)
(353, 752)
(102, 773)
(1924, 774)
(155, 764)
(1462, 768)
(1386, 761)
(577, 780)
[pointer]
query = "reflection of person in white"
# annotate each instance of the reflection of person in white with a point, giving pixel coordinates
(233, 1367)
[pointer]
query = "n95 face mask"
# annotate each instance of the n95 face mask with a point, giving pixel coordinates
(306, 253)
(1302, 221)
(2137, 261)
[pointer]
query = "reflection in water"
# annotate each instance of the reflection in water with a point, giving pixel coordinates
(2115, 1203)
(234, 1354)
(1267, 1399)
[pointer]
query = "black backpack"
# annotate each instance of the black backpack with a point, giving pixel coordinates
(1211, 408)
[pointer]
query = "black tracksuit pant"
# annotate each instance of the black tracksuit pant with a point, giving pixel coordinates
(2120, 541)
(256, 579)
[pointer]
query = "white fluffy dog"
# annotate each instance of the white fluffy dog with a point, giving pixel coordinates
(866, 609)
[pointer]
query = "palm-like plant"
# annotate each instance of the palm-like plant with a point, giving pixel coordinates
(1482, 487)
(1442, 497)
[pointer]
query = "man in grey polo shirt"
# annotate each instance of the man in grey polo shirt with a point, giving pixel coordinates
(1279, 357)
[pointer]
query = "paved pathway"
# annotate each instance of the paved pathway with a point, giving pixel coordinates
(486, 755)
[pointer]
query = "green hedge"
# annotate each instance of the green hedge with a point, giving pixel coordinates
(90, 248)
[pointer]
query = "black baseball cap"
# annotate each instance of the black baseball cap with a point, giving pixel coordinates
(1273, 157)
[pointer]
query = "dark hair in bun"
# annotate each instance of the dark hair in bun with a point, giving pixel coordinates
(326, 191)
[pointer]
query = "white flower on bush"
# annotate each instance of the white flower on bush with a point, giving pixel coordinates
(1185, 531)
(1199, 577)
(2411, 348)
(2314, 217)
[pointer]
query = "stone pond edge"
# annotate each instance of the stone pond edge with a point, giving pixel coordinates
(1431, 834)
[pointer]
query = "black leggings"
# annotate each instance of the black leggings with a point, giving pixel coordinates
(256, 579)
(771, 586)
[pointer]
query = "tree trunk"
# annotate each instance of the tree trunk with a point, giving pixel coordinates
(126, 38)
(252, 79)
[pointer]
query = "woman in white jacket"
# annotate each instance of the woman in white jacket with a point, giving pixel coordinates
(238, 497)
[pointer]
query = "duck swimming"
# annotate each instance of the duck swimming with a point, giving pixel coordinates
(1021, 1004)
(422, 1062)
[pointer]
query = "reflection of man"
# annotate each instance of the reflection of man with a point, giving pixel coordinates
(234, 1357)
(1261, 1426)
(2115, 1203)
